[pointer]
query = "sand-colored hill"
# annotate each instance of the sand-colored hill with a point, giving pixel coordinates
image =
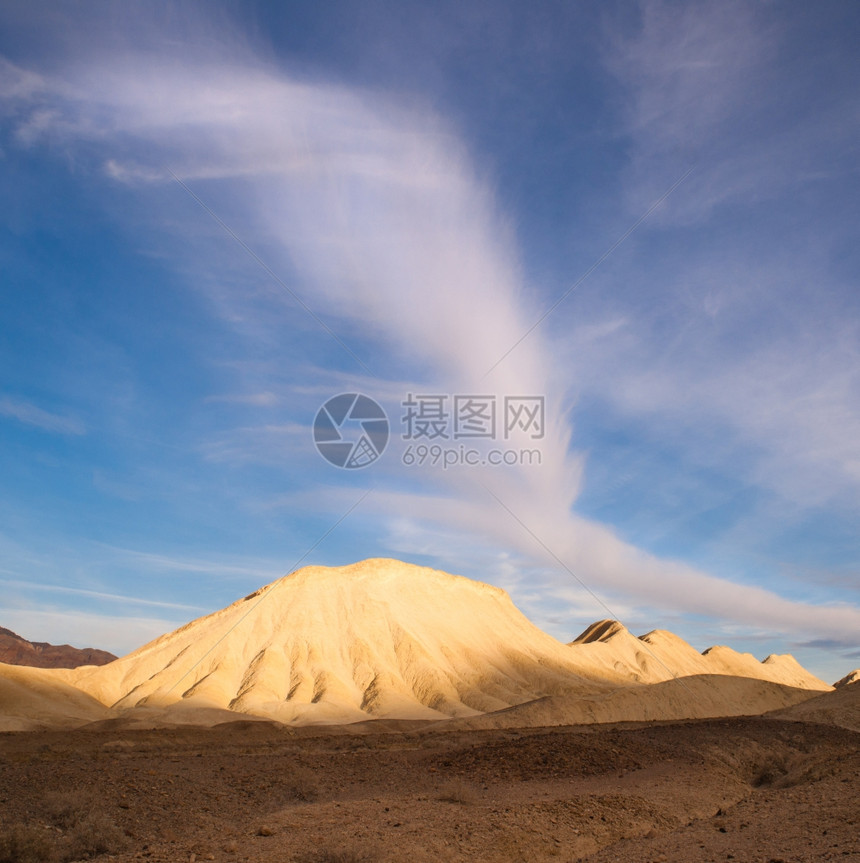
(15, 650)
(374, 640)
(840, 707)
(34, 698)
(383, 639)
(852, 677)
(608, 647)
(697, 697)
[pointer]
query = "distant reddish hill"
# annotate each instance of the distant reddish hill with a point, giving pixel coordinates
(15, 650)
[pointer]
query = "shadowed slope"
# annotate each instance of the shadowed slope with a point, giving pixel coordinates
(698, 697)
(840, 707)
(35, 698)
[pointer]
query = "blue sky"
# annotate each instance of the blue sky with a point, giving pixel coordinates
(215, 217)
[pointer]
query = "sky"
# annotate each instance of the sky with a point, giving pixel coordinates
(613, 246)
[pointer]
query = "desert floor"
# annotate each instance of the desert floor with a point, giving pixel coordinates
(754, 789)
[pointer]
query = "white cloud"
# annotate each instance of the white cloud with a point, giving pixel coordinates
(790, 400)
(268, 445)
(29, 414)
(706, 85)
(17, 83)
(606, 572)
(261, 399)
(392, 231)
(153, 561)
(747, 337)
(28, 586)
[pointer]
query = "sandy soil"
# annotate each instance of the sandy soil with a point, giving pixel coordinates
(758, 789)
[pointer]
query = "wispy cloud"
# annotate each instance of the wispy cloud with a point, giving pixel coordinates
(619, 573)
(263, 399)
(830, 644)
(700, 87)
(246, 567)
(395, 237)
(53, 589)
(267, 444)
(30, 414)
(791, 399)
(744, 347)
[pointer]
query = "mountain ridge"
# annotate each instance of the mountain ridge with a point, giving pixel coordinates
(383, 639)
(17, 650)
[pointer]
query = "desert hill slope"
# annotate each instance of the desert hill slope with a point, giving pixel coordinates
(849, 679)
(34, 698)
(659, 656)
(385, 639)
(373, 640)
(701, 696)
(840, 707)
(15, 650)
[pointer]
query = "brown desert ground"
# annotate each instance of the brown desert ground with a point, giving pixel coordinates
(782, 787)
